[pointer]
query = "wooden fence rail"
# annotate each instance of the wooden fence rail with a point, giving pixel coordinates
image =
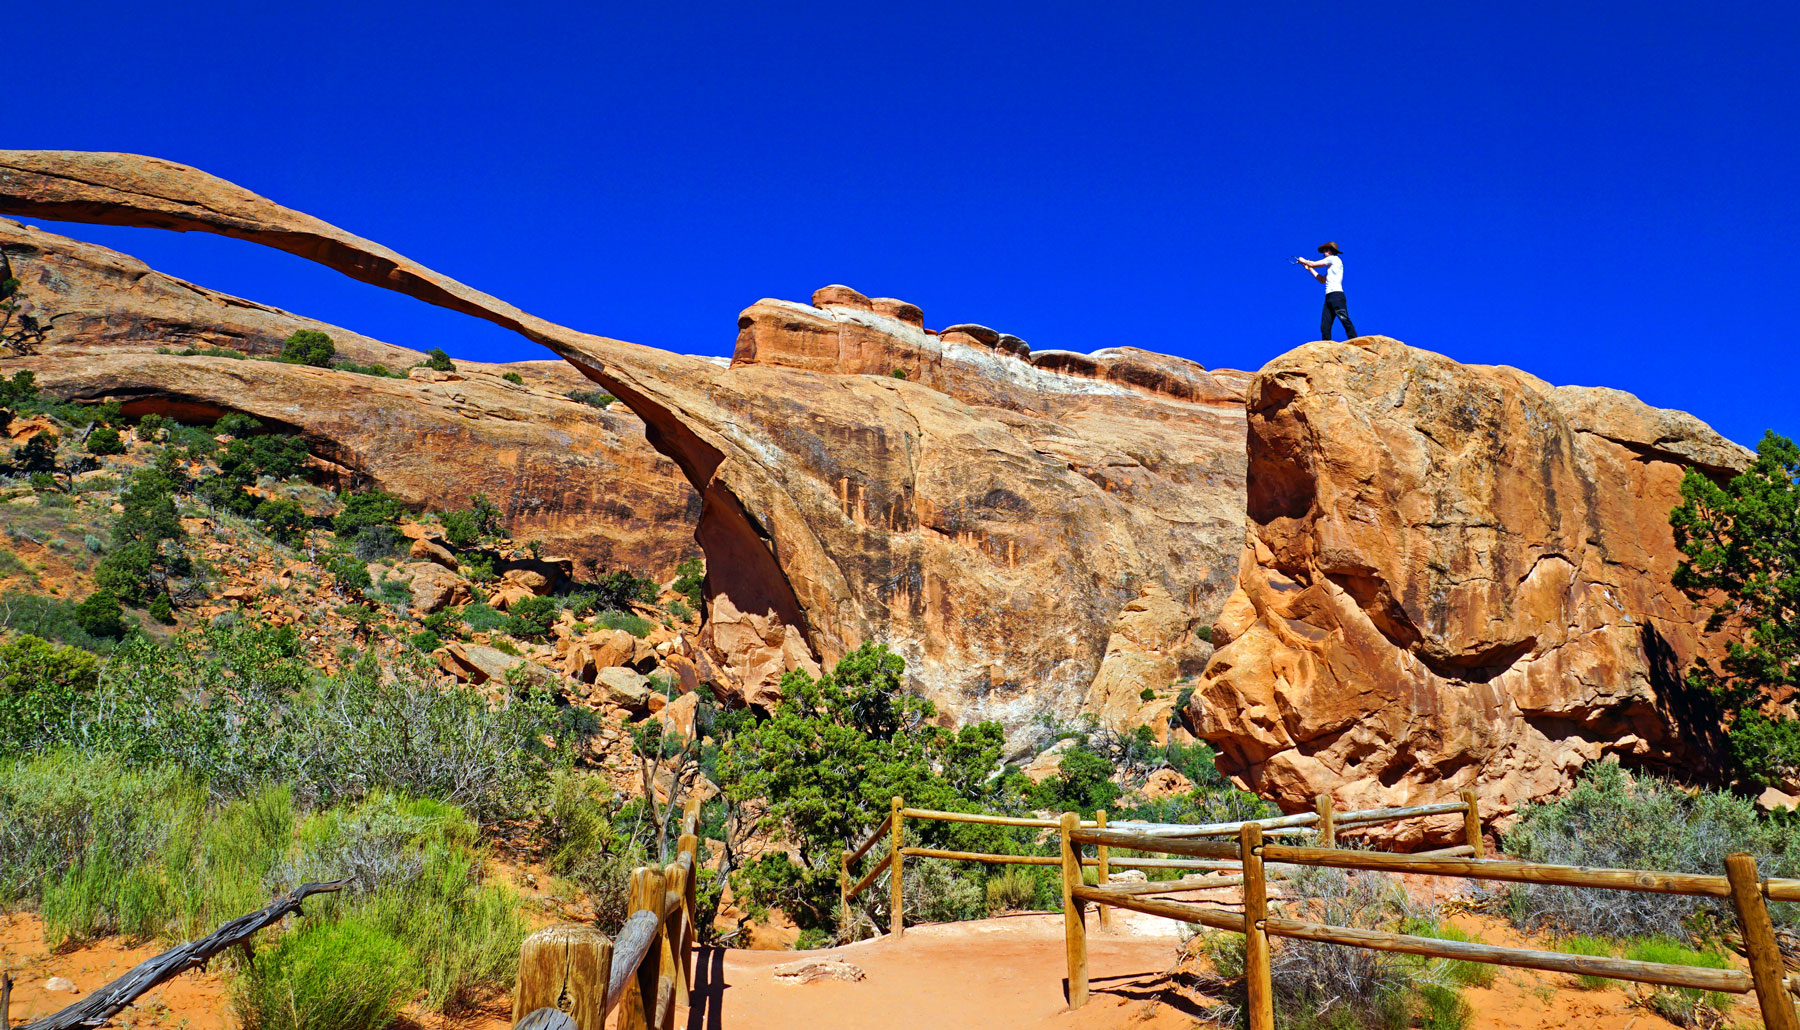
(1740, 884)
(1136, 835)
(571, 977)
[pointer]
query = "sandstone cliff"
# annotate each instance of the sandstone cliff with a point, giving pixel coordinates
(583, 481)
(1026, 543)
(1448, 575)
(1455, 576)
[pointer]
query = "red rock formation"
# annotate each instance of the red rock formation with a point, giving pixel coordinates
(1455, 576)
(990, 518)
(585, 482)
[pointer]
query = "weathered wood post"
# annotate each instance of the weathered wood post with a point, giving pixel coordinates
(1327, 821)
(689, 849)
(1472, 825)
(564, 968)
(1256, 937)
(1766, 972)
(1074, 929)
(637, 1001)
(897, 917)
(670, 981)
(1103, 872)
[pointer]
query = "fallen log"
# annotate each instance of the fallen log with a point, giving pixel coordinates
(99, 1007)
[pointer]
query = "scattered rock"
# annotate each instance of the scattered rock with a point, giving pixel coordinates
(911, 314)
(840, 297)
(427, 549)
(979, 333)
(1122, 876)
(434, 587)
(626, 688)
(1776, 800)
(1167, 783)
(65, 985)
(813, 970)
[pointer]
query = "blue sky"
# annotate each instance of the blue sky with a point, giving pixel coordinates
(1599, 194)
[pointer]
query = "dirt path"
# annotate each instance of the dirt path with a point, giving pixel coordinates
(991, 974)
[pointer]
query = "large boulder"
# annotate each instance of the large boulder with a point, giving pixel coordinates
(1455, 576)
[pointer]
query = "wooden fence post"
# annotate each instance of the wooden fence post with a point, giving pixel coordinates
(897, 917)
(1104, 870)
(689, 845)
(1766, 972)
(1256, 937)
(564, 968)
(1327, 821)
(1074, 929)
(673, 937)
(1472, 825)
(637, 1002)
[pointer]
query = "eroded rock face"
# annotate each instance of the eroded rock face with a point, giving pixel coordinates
(1455, 576)
(989, 518)
(583, 481)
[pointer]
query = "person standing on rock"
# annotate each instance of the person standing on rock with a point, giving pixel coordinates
(1333, 278)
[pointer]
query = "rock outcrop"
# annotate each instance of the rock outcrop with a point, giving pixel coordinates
(992, 519)
(1455, 576)
(584, 481)
(1421, 576)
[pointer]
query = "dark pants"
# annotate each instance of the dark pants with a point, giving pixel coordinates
(1334, 308)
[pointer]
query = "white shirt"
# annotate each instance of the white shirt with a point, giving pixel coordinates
(1334, 274)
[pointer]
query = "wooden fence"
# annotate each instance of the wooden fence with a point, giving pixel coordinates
(571, 976)
(1322, 824)
(1253, 855)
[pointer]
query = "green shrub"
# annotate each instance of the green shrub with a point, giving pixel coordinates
(1461, 971)
(308, 347)
(366, 509)
(335, 976)
(592, 398)
(52, 618)
(531, 617)
(284, 520)
(29, 663)
(105, 440)
(37, 454)
(466, 527)
(435, 358)
(630, 622)
(1581, 944)
(235, 423)
(690, 582)
(898, 373)
(100, 614)
(1612, 819)
(1011, 891)
(161, 609)
(1683, 1006)
(513, 377)
(483, 619)
(248, 458)
(425, 640)
(1147, 694)
(19, 390)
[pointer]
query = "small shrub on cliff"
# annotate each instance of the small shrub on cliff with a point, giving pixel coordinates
(308, 347)
(531, 617)
(284, 520)
(690, 582)
(1613, 819)
(513, 377)
(436, 359)
(105, 440)
(366, 509)
(465, 527)
(592, 398)
(1740, 544)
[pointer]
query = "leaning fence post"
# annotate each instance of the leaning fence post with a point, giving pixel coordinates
(1472, 825)
(1103, 874)
(1256, 937)
(689, 845)
(1074, 930)
(1327, 821)
(896, 918)
(1766, 971)
(673, 935)
(565, 968)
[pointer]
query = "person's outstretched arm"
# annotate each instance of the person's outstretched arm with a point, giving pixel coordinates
(1312, 264)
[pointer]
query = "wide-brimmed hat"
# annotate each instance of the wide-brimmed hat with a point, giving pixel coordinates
(1333, 247)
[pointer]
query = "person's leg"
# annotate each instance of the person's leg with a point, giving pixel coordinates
(1325, 319)
(1343, 312)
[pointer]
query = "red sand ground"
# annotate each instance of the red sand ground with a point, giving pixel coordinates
(993, 974)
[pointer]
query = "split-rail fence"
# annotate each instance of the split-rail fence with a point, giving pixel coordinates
(1257, 856)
